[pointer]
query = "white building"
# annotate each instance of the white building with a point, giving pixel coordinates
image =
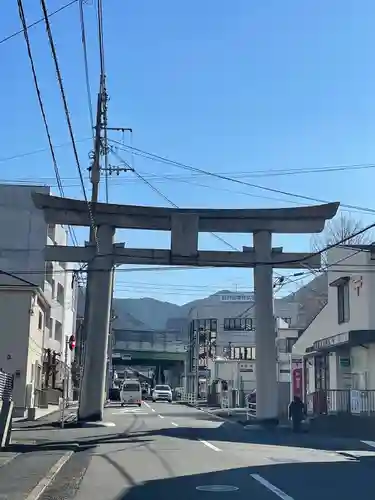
(225, 324)
(338, 346)
(228, 320)
(24, 234)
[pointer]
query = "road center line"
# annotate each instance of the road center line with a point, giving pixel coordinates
(160, 416)
(174, 423)
(271, 487)
(43, 484)
(209, 445)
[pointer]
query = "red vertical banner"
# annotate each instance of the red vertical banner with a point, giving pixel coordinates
(297, 382)
(296, 372)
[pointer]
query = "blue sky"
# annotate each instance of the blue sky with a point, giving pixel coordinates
(237, 87)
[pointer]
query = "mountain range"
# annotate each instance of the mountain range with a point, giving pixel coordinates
(151, 314)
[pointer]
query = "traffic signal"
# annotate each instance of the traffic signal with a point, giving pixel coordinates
(72, 342)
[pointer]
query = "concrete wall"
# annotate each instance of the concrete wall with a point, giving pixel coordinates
(24, 234)
(22, 319)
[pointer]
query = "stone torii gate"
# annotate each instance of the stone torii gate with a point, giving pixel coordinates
(184, 225)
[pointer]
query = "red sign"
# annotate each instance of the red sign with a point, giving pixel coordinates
(297, 382)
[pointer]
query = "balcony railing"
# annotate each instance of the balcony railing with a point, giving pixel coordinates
(333, 402)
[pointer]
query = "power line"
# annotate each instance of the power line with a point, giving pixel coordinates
(190, 168)
(158, 179)
(66, 110)
(168, 200)
(85, 62)
(13, 35)
(41, 106)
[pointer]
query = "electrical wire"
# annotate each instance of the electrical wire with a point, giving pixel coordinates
(67, 115)
(190, 168)
(86, 64)
(13, 35)
(120, 182)
(219, 238)
(41, 106)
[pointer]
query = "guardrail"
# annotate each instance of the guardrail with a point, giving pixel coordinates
(251, 411)
(188, 397)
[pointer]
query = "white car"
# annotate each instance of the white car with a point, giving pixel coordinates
(131, 393)
(162, 393)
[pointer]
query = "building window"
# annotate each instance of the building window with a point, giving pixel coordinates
(205, 330)
(58, 331)
(60, 294)
(50, 327)
(40, 321)
(290, 341)
(238, 324)
(343, 309)
(51, 231)
(247, 353)
(49, 272)
(288, 321)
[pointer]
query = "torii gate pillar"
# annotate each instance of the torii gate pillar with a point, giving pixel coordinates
(265, 335)
(92, 392)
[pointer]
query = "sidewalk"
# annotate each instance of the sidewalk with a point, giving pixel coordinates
(38, 450)
(39, 413)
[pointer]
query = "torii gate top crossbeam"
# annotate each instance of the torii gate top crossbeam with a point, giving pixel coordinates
(67, 211)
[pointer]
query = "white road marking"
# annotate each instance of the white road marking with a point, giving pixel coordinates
(174, 423)
(271, 487)
(209, 445)
(160, 416)
(47, 480)
(369, 443)
(153, 409)
(9, 459)
(146, 404)
(127, 412)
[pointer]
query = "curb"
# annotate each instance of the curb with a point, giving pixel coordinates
(219, 417)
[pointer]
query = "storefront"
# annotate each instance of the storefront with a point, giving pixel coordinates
(336, 366)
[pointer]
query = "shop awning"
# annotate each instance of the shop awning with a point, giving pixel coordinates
(351, 338)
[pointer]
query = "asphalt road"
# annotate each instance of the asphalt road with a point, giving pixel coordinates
(163, 451)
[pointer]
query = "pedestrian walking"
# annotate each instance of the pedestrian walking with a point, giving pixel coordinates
(297, 413)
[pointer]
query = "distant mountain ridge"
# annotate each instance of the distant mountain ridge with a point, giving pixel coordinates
(152, 314)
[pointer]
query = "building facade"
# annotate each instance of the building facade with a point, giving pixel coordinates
(226, 325)
(24, 236)
(338, 347)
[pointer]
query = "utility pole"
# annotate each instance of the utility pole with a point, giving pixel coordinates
(95, 181)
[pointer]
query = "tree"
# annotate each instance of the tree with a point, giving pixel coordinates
(340, 228)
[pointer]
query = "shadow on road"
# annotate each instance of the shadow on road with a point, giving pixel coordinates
(298, 480)
(227, 432)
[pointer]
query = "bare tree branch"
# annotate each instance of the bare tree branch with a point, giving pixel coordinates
(336, 230)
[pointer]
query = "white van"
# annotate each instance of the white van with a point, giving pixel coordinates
(131, 393)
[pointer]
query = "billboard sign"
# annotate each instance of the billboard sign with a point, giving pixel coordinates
(237, 297)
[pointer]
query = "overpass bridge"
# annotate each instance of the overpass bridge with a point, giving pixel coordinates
(148, 347)
(144, 353)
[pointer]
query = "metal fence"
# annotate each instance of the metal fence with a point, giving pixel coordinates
(333, 402)
(6, 386)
